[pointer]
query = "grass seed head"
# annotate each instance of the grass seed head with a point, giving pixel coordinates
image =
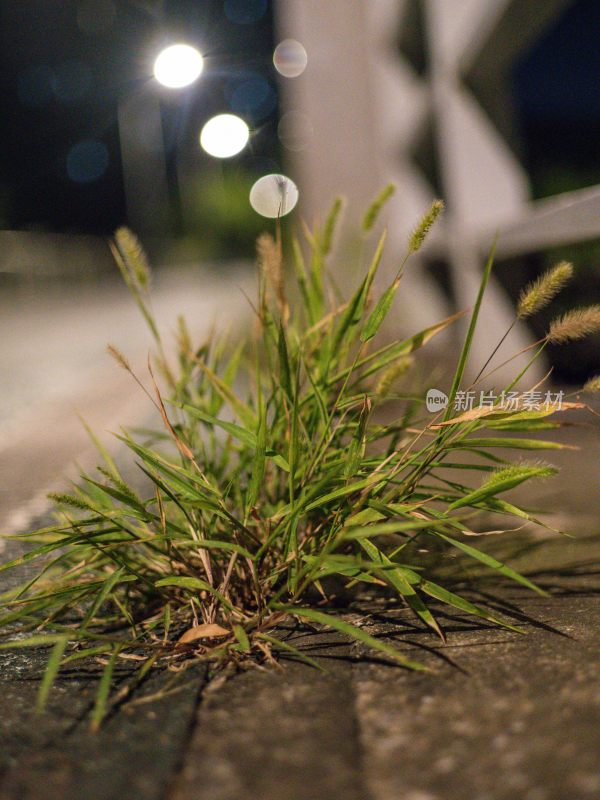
(330, 225)
(427, 221)
(370, 218)
(62, 499)
(118, 357)
(270, 263)
(540, 292)
(574, 325)
(537, 469)
(388, 378)
(592, 385)
(133, 256)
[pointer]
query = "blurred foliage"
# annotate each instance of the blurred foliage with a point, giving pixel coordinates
(220, 219)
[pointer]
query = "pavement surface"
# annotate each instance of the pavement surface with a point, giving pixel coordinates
(501, 715)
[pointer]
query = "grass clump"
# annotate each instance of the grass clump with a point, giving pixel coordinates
(272, 474)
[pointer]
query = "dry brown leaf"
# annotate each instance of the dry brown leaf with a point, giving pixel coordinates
(486, 411)
(206, 631)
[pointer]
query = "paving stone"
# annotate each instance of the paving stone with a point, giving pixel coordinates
(517, 716)
(501, 716)
(278, 735)
(55, 756)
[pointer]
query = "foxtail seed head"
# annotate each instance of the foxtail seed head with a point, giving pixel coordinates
(574, 325)
(133, 255)
(540, 292)
(270, 263)
(370, 217)
(592, 385)
(330, 225)
(391, 375)
(427, 221)
(118, 357)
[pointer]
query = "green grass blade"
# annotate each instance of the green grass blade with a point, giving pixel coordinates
(343, 491)
(354, 632)
(242, 637)
(514, 444)
(281, 644)
(466, 348)
(238, 432)
(462, 604)
(502, 481)
(355, 308)
(393, 575)
(380, 312)
(258, 465)
(285, 374)
(490, 562)
(103, 692)
(331, 225)
(51, 671)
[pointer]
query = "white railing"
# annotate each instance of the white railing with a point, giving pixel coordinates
(370, 109)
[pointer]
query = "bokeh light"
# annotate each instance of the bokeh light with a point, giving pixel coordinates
(252, 97)
(72, 81)
(295, 131)
(290, 58)
(224, 136)
(96, 16)
(244, 12)
(274, 196)
(87, 161)
(178, 65)
(35, 86)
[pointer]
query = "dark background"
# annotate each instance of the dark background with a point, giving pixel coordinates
(62, 75)
(65, 65)
(64, 68)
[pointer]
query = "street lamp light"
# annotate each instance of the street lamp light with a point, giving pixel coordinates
(224, 136)
(178, 65)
